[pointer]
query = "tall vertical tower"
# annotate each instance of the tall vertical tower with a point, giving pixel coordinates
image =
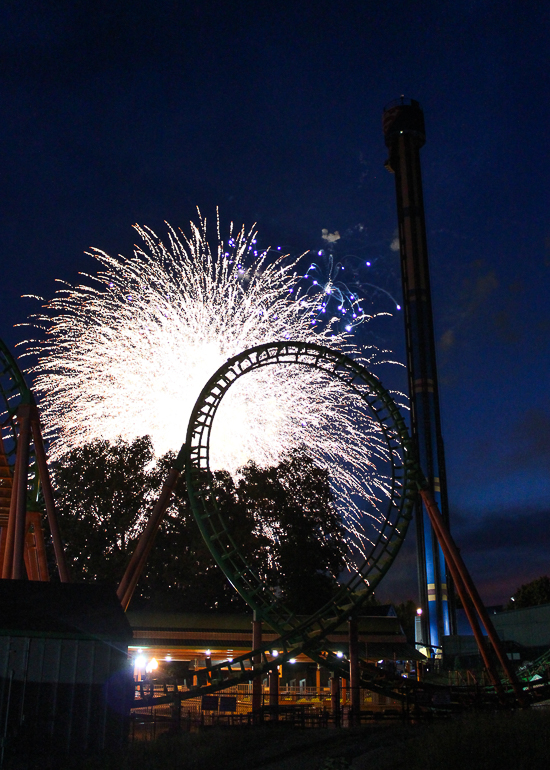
(403, 124)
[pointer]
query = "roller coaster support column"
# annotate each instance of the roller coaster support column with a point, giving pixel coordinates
(335, 699)
(36, 561)
(19, 521)
(257, 679)
(14, 560)
(24, 423)
(404, 134)
(472, 602)
(274, 692)
(318, 681)
(47, 493)
(129, 581)
(7, 564)
(355, 692)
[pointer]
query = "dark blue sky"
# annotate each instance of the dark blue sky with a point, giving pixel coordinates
(121, 112)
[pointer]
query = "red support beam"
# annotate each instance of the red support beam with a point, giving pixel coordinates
(7, 565)
(134, 569)
(466, 587)
(20, 484)
(47, 493)
(35, 550)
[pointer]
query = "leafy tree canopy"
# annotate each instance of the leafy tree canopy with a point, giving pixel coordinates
(283, 518)
(296, 520)
(101, 492)
(531, 594)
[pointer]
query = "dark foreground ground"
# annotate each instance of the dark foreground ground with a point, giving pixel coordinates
(517, 740)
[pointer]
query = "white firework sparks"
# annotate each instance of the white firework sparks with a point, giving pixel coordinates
(128, 354)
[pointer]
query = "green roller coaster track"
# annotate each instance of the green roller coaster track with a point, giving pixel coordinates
(212, 521)
(295, 634)
(13, 390)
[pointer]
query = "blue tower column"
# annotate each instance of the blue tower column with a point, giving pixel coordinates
(404, 133)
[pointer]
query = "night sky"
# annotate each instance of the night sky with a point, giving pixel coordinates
(120, 112)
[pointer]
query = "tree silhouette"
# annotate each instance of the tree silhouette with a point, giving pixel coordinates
(531, 594)
(283, 519)
(294, 509)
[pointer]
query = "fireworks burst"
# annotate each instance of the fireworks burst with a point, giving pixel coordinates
(335, 272)
(128, 353)
(335, 294)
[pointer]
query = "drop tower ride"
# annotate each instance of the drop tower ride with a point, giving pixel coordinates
(404, 133)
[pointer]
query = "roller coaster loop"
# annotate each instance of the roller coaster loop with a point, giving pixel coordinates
(295, 634)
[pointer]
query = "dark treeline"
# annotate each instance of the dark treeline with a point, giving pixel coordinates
(283, 518)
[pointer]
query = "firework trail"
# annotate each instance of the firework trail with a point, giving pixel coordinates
(333, 276)
(128, 353)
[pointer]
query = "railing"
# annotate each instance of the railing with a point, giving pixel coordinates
(147, 689)
(468, 678)
(297, 706)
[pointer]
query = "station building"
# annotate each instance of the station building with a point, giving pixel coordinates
(180, 643)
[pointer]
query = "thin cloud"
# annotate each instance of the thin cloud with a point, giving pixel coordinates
(474, 292)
